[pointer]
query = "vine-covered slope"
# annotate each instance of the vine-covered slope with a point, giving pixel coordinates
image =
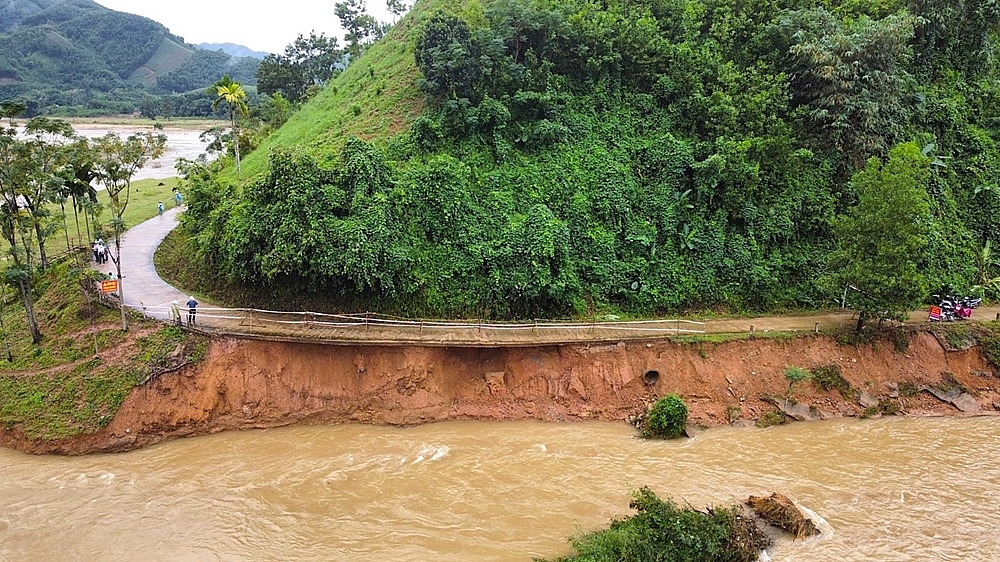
(511, 158)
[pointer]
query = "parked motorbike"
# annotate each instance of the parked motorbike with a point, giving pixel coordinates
(950, 308)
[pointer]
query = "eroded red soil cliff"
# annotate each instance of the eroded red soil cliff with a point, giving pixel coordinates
(257, 384)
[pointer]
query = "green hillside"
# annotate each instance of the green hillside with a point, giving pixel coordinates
(12, 12)
(518, 158)
(76, 56)
(375, 99)
(168, 57)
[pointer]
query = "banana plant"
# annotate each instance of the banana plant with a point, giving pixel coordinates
(987, 273)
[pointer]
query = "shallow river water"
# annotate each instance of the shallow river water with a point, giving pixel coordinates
(181, 143)
(890, 489)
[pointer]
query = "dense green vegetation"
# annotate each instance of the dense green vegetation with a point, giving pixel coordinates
(661, 531)
(564, 158)
(203, 68)
(667, 418)
(76, 57)
(76, 379)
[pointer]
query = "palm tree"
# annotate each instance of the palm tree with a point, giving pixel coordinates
(232, 94)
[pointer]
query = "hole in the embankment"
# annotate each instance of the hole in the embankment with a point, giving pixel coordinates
(651, 377)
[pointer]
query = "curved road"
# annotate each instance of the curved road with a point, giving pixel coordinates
(146, 291)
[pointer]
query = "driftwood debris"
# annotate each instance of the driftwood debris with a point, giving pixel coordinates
(780, 511)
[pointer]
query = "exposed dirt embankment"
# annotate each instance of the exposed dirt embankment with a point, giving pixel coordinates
(255, 384)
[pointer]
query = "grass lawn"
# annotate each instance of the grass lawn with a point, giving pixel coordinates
(75, 380)
(142, 206)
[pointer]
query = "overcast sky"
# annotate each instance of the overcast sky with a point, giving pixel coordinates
(261, 26)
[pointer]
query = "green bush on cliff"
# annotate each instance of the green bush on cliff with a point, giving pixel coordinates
(829, 377)
(989, 342)
(667, 418)
(662, 531)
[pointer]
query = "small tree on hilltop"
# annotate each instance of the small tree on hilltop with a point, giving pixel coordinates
(232, 94)
(881, 239)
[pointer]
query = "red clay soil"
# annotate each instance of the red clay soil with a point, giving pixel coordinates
(258, 384)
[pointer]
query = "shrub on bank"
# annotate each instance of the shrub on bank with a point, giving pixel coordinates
(667, 418)
(662, 531)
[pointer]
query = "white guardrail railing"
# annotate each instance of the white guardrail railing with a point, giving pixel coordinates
(251, 319)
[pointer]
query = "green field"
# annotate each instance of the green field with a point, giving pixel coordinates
(142, 205)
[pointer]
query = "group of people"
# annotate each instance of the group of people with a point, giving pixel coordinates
(175, 312)
(100, 251)
(177, 202)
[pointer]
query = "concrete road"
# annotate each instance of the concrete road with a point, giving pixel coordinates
(144, 290)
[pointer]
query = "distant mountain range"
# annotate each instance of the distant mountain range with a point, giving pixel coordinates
(233, 49)
(77, 53)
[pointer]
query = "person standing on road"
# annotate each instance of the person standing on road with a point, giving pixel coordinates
(192, 310)
(177, 199)
(175, 314)
(159, 207)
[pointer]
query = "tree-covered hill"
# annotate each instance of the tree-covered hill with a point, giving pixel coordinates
(520, 158)
(12, 12)
(61, 56)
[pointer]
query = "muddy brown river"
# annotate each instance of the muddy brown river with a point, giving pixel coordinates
(886, 490)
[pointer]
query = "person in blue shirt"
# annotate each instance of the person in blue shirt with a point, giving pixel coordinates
(192, 310)
(177, 199)
(159, 207)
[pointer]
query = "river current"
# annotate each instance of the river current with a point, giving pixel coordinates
(886, 490)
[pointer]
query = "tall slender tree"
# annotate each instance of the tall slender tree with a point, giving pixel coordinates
(362, 28)
(232, 94)
(11, 109)
(115, 162)
(77, 177)
(397, 8)
(47, 155)
(14, 169)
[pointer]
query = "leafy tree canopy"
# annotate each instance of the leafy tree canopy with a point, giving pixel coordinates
(880, 241)
(581, 158)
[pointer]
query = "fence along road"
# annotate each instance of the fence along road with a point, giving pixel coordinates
(147, 292)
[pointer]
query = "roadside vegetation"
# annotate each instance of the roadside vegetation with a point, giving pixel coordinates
(514, 160)
(64, 367)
